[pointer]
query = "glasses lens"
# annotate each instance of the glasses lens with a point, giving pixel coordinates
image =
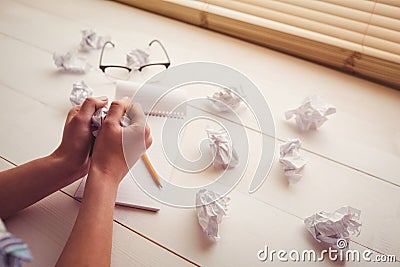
(114, 73)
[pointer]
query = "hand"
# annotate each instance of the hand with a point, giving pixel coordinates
(116, 147)
(77, 138)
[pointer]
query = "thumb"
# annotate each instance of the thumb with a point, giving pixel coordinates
(136, 114)
(133, 136)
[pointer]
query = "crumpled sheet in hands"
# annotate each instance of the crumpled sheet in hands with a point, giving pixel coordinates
(210, 215)
(97, 120)
(312, 113)
(70, 62)
(80, 91)
(225, 100)
(225, 155)
(13, 251)
(291, 159)
(137, 58)
(91, 41)
(334, 228)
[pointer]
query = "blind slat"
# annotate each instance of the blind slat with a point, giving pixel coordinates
(358, 36)
(385, 22)
(321, 6)
(287, 15)
(281, 11)
(383, 45)
(387, 11)
(304, 29)
(395, 3)
(308, 15)
(362, 5)
(384, 34)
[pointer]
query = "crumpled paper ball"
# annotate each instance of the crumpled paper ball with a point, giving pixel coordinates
(291, 159)
(70, 62)
(97, 120)
(137, 58)
(225, 100)
(92, 41)
(99, 117)
(334, 228)
(311, 114)
(80, 91)
(210, 208)
(222, 147)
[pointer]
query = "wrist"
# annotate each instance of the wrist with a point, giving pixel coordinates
(55, 167)
(112, 168)
(100, 186)
(71, 171)
(99, 174)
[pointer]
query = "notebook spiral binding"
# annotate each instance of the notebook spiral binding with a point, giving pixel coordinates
(166, 114)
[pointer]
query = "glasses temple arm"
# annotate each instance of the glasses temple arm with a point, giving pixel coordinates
(162, 47)
(102, 51)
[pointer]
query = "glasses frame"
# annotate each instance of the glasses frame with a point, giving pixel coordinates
(104, 67)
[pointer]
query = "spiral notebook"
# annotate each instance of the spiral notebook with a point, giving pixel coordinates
(170, 107)
(129, 195)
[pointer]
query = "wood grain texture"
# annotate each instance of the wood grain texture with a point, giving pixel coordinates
(353, 158)
(46, 225)
(358, 135)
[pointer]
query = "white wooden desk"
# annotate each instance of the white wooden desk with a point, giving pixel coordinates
(353, 159)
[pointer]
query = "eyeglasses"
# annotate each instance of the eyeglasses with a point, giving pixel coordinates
(124, 72)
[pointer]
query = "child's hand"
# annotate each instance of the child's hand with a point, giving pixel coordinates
(77, 138)
(117, 147)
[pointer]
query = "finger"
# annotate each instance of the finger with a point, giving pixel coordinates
(146, 131)
(147, 137)
(90, 106)
(117, 110)
(136, 114)
(72, 113)
(148, 141)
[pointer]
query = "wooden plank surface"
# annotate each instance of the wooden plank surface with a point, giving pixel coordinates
(353, 158)
(45, 227)
(360, 129)
(324, 187)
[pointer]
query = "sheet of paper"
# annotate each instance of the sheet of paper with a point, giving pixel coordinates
(225, 155)
(71, 62)
(155, 153)
(137, 58)
(291, 159)
(80, 91)
(225, 100)
(210, 209)
(311, 114)
(129, 193)
(92, 41)
(153, 102)
(97, 120)
(334, 228)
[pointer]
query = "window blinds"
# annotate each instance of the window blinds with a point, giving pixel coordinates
(357, 36)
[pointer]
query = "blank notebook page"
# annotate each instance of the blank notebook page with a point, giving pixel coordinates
(129, 193)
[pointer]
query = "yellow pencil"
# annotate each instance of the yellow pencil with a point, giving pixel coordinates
(151, 169)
